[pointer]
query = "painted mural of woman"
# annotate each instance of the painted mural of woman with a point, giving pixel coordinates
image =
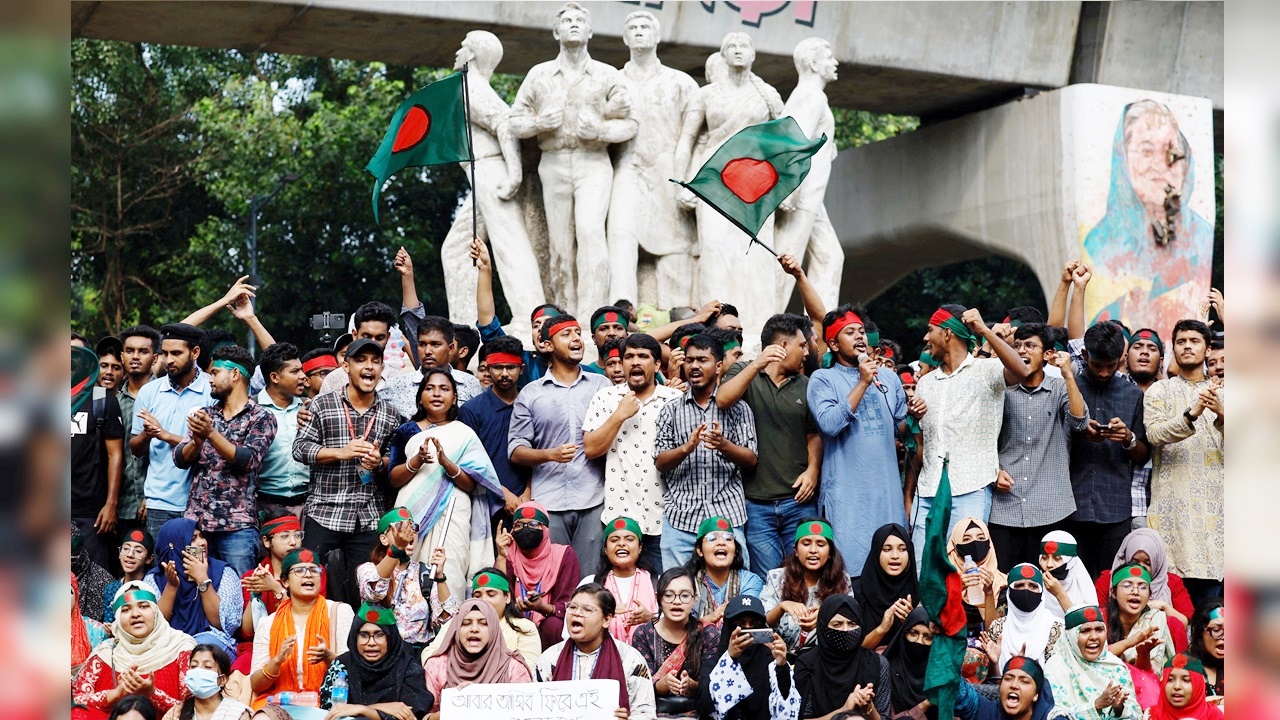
(1152, 252)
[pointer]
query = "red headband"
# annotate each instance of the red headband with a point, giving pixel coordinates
(561, 325)
(501, 358)
(887, 352)
(327, 362)
(848, 318)
(940, 316)
(614, 352)
(907, 378)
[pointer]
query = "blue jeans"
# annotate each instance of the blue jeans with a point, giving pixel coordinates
(157, 518)
(771, 530)
(237, 548)
(677, 545)
(971, 504)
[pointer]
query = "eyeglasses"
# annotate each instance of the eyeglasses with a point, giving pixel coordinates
(304, 570)
(583, 610)
(683, 597)
(371, 636)
(535, 524)
(718, 536)
(289, 535)
(1131, 585)
(1216, 632)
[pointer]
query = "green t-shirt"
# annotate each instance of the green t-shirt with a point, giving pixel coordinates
(783, 423)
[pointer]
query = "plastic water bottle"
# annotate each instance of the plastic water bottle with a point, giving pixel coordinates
(972, 594)
(338, 694)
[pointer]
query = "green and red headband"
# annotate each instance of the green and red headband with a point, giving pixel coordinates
(840, 323)
(1082, 615)
(551, 327)
(1028, 666)
(224, 364)
(377, 615)
(1026, 571)
(501, 358)
(393, 516)
(530, 512)
(489, 579)
(607, 317)
(544, 311)
(1184, 661)
(886, 353)
(1053, 547)
(132, 593)
(1132, 571)
(1216, 613)
(944, 319)
(731, 344)
(280, 524)
(623, 524)
(713, 524)
(818, 528)
(1150, 336)
(301, 555)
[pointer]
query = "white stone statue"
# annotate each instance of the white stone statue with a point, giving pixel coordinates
(803, 228)
(576, 107)
(725, 273)
(498, 177)
(643, 214)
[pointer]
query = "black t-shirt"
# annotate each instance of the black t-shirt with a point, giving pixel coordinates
(89, 455)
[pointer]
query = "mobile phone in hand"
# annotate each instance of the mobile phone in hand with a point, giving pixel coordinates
(763, 636)
(194, 550)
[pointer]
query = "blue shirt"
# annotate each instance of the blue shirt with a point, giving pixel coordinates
(167, 485)
(547, 414)
(490, 417)
(281, 475)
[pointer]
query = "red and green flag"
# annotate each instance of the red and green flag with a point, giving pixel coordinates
(84, 373)
(429, 128)
(754, 171)
(941, 593)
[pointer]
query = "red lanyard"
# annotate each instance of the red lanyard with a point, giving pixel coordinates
(352, 428)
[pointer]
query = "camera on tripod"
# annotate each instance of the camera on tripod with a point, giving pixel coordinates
(327, 321)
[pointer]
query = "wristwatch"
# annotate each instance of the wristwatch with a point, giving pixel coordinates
(1191, 421)
(204, 585)
(1133, 441)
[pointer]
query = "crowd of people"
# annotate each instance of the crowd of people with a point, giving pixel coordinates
(726, 535)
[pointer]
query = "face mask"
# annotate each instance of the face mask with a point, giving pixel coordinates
(976, 549)
(917, 653)
(1061, 572)
(1025, 600)
(843, 640)
(203, 683)
(528, 538)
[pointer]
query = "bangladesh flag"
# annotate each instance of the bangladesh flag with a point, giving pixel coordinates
(429, 128)
(941, 592)
(84, 373)
(754, 171)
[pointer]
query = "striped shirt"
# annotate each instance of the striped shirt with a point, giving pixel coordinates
(1035, 449)
(337, 499)
(706, 483)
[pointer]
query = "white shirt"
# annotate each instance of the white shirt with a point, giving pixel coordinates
(965, 411)
(632, 485)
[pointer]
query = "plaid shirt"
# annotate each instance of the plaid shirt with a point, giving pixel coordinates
(132, 490)
(224, 492)
(1141, 489)
(1035, 449)
(337, 499)
(1101, 474)
(705, 483)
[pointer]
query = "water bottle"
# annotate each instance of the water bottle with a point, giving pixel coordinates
(305, 699)
(973, 594)
(338, 694)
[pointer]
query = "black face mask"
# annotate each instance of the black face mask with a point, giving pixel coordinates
(842, 640)
(528, 538)
(977, 549)
(1061, 572)
(1025, 600)
(917, 653)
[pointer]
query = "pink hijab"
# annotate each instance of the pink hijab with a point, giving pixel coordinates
(540, 567)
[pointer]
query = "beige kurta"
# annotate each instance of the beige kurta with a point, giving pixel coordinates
(1186, 479)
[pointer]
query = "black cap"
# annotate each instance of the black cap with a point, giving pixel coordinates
(363, 345)
(744, 605)
(182, 331)
(109, 345)
(343, 340)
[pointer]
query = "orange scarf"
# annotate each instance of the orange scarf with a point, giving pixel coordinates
(283, 628)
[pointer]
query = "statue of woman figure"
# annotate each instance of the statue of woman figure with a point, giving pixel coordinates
(726, 105)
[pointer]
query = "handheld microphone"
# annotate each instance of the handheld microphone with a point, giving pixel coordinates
(863, 357)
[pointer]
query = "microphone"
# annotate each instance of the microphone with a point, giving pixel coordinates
(863, 357)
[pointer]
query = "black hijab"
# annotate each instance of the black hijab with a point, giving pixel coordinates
(397, 677)
(826, 677)
(907, 671)
(756, 662)
(877, 589)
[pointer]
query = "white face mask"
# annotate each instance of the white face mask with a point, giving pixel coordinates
(203, 683)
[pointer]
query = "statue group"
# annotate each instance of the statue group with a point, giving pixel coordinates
(572, 182)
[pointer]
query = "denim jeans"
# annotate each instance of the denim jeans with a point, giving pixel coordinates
(971, 504)
(157, 518)
(237, 548)
(771, 530)
(677, 546)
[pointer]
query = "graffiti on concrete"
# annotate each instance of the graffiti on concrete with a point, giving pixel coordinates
(753, 12)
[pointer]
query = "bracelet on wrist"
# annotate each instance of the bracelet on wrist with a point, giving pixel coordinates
(398, 554)
(455, 475)
(266, 674)
(410, 467)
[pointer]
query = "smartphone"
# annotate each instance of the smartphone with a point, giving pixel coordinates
(763, 636)
(195, 550)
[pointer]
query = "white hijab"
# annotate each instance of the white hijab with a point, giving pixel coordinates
(1026, 628)
(1078, 585)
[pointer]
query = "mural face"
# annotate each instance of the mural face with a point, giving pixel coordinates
(1152, 250)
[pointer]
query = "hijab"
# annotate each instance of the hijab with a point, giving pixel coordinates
(1147, 540)
(907, 670)
(490, 666)
(539, 567)
(756, 662)
(1077, 682)
(826, 677)
(1198, 709)
(1078, 584)
(1030, 628)
(157, 649)
(956, 553)
(188, 611)
(877, 589)
(396, 677)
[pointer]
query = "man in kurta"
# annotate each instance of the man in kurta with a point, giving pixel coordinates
(1184, 417)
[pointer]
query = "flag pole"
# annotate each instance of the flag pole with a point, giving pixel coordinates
(471, 153)
(754, 240)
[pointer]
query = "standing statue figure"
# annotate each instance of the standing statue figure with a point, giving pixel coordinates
(576, 107)
(726, 106)
(643, 214)
(498, 177)
(803, 228)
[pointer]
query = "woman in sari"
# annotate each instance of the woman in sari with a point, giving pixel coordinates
(1058, 557)
(383, 676)
(1088, 681)
(473, 651)
(145, 657)
(842, 675)
(887, 590)
(86, 632)
(199, 595)
(619, 572)
(491, 585)
(294, 646)
(441, 472)
(719, 572)
(1182, 692)
(1138, 633)
(676, 645)
(542, 574)
(813, 572)
(908, 657)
